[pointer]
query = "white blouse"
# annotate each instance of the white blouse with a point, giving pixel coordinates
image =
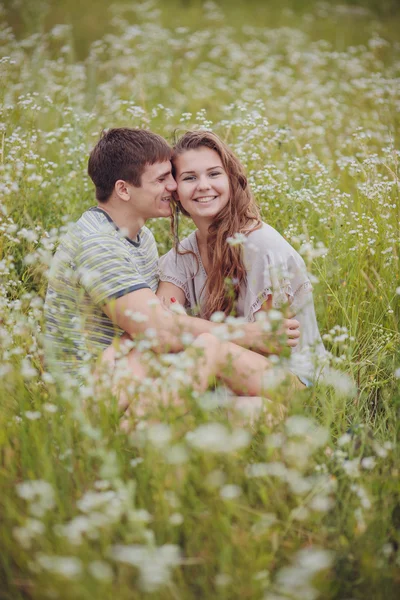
(274, 269)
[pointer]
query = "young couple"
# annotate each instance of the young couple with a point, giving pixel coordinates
(105, 282)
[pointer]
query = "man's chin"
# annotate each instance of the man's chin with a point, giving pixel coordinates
(166, 212)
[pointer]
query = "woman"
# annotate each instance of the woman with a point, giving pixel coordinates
(234, 262)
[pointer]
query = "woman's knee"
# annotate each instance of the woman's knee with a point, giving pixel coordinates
(207, 340)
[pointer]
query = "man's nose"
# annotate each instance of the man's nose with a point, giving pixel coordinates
(171, 185)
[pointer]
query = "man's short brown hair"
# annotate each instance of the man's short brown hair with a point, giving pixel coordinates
(123, 153)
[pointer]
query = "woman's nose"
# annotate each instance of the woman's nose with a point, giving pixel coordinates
(204, 184)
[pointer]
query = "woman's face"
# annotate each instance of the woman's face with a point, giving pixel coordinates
(203, 185)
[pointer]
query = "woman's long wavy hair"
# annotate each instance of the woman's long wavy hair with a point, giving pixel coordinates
(227, 271)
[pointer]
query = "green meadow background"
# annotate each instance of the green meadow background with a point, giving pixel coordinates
(197, 501)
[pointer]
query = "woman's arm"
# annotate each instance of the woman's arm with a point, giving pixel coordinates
(169, 290)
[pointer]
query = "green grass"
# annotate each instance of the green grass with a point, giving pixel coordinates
(307, 94)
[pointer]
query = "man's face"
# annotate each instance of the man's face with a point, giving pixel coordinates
(152, 198)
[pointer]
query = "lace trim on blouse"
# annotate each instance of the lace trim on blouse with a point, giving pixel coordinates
(279, 297)
(304, 287)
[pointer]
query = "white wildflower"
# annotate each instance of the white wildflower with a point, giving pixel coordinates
(238, 239)
(263, 524)
(95, 500)
(27, 370)
(217, 317)
(314, 559)
(33, 415)
(368, 462)
(299, 426)
(351, 467)
(300, 513)
(49, 407)
(321, 503)
(176, 519)
(154, 564)
(100, 570)
(215, 478)
(177, 454)
(66, 566)
(341, 382)
(214, 437)
(344, 439)
(222, 579)
(159, 435)
(39, 494)
(25, 534)
(230, 491)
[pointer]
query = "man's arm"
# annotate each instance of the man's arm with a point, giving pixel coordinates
(141, 310)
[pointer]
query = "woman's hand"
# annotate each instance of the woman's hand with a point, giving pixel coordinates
(291, 328)
(172, 305)
(266, 340)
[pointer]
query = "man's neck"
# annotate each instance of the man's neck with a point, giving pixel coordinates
(128, 223)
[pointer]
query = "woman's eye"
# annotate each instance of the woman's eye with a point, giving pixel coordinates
(189, 178)
(215, 173)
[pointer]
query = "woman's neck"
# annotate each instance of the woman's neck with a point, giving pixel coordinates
(202, 231)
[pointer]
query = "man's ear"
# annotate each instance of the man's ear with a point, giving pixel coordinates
(122, 191)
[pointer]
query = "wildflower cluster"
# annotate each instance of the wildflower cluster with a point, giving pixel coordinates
(206, 495)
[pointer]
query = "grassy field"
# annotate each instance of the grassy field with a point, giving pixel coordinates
(197, 502)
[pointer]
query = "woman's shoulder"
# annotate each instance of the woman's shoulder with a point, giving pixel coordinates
(187, 245)
(269, 240)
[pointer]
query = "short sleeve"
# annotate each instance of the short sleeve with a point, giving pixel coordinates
(266, 276)
(106, 270)
(171, 268)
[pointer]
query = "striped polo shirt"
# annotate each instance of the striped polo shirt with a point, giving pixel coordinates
(93, 265)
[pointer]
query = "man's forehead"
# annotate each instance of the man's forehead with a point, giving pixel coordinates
(157, 169)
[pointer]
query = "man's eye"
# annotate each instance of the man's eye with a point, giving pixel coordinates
(161, 179)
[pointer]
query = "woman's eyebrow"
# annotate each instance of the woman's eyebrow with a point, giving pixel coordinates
(209, 169)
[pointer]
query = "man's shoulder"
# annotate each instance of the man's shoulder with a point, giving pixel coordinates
(146, 235)
(93, 223)
(90, 224)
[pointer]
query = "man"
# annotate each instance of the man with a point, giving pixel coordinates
(103, 279)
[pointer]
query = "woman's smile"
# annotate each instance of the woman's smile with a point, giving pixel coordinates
(205, 199)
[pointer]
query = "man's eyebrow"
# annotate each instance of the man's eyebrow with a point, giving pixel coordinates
(209, 169)
(164, 174)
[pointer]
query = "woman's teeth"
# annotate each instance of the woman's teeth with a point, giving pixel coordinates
(205, 199)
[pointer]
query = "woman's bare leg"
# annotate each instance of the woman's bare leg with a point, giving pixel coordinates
(128, 370)
(243, 371)
(247, 373)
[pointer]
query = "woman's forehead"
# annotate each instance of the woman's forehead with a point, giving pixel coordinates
(203, 157)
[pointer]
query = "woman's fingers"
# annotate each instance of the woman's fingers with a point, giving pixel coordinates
(292, 329)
